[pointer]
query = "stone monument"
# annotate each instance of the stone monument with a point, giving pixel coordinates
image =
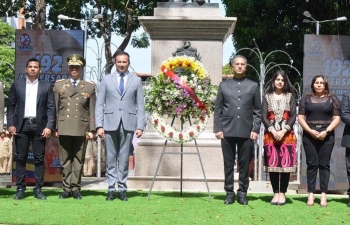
(177, 25)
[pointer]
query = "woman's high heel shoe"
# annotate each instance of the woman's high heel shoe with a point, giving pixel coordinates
(323, 202)
(310, 200)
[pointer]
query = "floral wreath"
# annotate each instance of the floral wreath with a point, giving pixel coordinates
(181, 89)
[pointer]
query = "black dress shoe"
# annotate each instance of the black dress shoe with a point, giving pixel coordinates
(65, 194)
(19, 194)
(242, 199)
(230, 198)
(76, 195)
(110, 196)
(38, 194)
(122, 196)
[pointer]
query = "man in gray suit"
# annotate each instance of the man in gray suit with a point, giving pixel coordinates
(237, 119)
(120, 111)
(345, 142)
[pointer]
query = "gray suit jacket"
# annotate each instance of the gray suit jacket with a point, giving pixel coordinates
(238, 108)
(345, 117)
(112, 107)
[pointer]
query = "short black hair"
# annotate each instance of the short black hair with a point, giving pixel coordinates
(122, 53)
(33, 60)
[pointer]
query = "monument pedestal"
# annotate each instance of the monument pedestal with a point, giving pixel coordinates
(172, 25)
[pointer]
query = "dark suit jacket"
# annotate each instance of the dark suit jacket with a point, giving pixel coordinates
(45, 108)
(238, 108)
(345, 117)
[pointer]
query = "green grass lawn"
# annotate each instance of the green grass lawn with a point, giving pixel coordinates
(166, 208)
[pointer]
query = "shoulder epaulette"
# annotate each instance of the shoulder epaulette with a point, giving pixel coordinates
(90, 82)
(60, 80)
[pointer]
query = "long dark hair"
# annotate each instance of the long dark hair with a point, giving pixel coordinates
(287, 87)
(326, 92)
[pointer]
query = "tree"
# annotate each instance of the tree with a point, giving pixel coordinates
(277, 24)
(7, 54)
(120, 17)
(10, 7)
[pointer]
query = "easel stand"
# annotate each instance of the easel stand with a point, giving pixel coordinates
(181, 153)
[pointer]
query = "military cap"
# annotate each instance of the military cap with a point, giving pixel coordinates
(75, 60)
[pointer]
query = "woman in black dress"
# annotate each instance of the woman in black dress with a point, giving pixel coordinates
(319, 114)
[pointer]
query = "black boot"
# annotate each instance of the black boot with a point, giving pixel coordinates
(230, 198)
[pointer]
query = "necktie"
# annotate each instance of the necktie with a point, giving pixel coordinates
(121, 83)
(74, 83)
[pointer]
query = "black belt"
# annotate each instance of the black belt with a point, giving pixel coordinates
(30, 119)
(318, 126)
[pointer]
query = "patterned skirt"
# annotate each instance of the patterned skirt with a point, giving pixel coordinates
(280, 156)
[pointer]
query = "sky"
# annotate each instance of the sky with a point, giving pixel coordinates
(140, 58)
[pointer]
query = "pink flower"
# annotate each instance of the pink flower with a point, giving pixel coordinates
(156, 121)
(162, 128)
(181, 137)
(171, 134)
(191, 134)
(198, 127)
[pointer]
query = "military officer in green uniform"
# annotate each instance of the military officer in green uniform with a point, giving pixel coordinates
(75, 104)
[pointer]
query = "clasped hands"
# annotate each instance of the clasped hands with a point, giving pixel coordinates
(278, 135)
(318, 135)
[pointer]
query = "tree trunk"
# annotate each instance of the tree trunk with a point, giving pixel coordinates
(39, 20)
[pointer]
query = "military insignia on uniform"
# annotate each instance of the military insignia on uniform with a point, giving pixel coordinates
(86, 95)
(64, 87)
(82, 86)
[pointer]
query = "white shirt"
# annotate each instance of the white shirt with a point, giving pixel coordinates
(77, 80)
(31, 98)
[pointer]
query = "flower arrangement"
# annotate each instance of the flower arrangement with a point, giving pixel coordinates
(182, 89)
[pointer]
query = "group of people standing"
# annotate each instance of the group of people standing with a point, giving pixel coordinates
(72, 112)
(238, 116)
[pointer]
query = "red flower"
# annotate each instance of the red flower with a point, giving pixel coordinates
(156, 121)
(180, 63)
(191, 134)
(162, 128)
(271, 116)
(201, 118)
(188, 64)
(171, 134)
(198, 127)
(181, 136)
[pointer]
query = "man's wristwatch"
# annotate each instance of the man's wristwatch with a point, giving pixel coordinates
(328, 131)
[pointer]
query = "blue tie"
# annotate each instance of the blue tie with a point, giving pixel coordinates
(121, 83)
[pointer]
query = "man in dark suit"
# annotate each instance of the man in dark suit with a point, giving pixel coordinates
(120, 111)
(345, 142)
(237, 119)
(75, 102)
(30, 117)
